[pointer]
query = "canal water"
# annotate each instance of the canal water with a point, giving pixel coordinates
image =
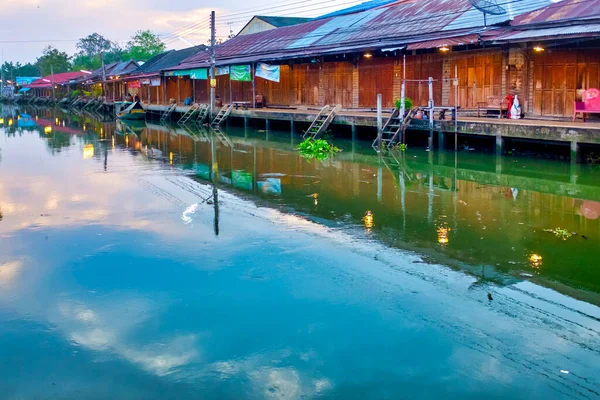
(149, 262)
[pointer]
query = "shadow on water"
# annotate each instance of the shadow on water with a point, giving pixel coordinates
(483, 214)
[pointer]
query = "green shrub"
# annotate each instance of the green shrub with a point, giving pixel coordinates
(408, 103)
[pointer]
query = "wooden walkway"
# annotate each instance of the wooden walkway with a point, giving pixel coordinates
(530, 129)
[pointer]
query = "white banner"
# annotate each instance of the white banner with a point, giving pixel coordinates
(268, 72)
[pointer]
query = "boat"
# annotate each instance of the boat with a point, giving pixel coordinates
(134, 111)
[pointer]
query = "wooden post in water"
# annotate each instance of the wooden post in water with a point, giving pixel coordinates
(379, 122)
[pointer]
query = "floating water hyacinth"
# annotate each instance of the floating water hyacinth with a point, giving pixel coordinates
(319, 149)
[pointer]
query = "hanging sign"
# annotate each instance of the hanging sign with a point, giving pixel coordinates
(240, 73)
(268, 72)
(199, 73)
(155, 82)
(170, 73)
(145, 81)
(134, 84)
(222, 71)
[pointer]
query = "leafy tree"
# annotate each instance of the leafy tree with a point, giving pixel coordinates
(93, 45)
(143, 46)
(13, 70)
(91, 50)
(52, 59)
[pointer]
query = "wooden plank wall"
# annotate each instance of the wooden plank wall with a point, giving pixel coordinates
(185, 88)
(337, 83)
(479, 76)
(276, 93)
(421, 67)
(305, 84)
(171, 89)
(202, 91)
(560, 77)
(376, 76)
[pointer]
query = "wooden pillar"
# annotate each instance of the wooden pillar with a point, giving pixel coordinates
(397, 79)
(321, 83)
(355, 84)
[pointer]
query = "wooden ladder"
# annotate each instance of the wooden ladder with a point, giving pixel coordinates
(395, 127)
(222, 115)
(322, 121)
(202, 113)
(188, 114)
(168, 112)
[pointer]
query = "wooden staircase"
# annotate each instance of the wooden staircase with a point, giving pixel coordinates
(322, 121)
(222, 115)
(202, 113)
(395, 127)
(167, 114)
(188, 114)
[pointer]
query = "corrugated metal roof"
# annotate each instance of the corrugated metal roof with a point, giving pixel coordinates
(59, 79)
(278, 22)
(123, 68)
(367, 5)
(397, 23)
(168, 59)
(548, 32)
(455, 41)
(565, 10)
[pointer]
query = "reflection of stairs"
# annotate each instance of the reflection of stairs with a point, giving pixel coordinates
(222, 136)
(222, 115)
(322, 121)
(188, 114)
(202, 113)
(167, 114)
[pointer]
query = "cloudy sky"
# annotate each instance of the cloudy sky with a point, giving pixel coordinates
(29, 25)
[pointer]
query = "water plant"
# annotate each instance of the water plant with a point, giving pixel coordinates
(408, 103)
(318, 149)
(560, 233)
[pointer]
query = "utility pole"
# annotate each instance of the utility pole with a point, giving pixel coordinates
(2, 74)
(52, 74)
(212, 63)
(103, 75)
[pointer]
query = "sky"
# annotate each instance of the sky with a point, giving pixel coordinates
(30, 25)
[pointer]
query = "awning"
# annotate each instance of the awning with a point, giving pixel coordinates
(453, 41)
(25, 89)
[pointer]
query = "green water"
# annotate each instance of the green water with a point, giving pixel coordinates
(151, 262)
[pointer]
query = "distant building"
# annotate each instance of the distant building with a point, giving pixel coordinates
(261, 23)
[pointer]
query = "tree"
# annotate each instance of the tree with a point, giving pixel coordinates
(93, 45)
(91, 50)
(53, 60)
(143, 46)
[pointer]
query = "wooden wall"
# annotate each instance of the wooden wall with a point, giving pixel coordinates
(202, 91)
(421, 67)
(337, 83)
(560, 77)
(376, 76)
(305, 84)
(479, 76)
(276, 93)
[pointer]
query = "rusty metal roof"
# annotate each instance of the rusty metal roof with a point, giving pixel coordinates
(566, 10)
(548, 33)
(397, 23)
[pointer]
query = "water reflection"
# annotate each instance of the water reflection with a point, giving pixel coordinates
(224, 285)
(494, 218)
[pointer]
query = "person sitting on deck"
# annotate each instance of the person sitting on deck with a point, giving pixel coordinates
(136, 98)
